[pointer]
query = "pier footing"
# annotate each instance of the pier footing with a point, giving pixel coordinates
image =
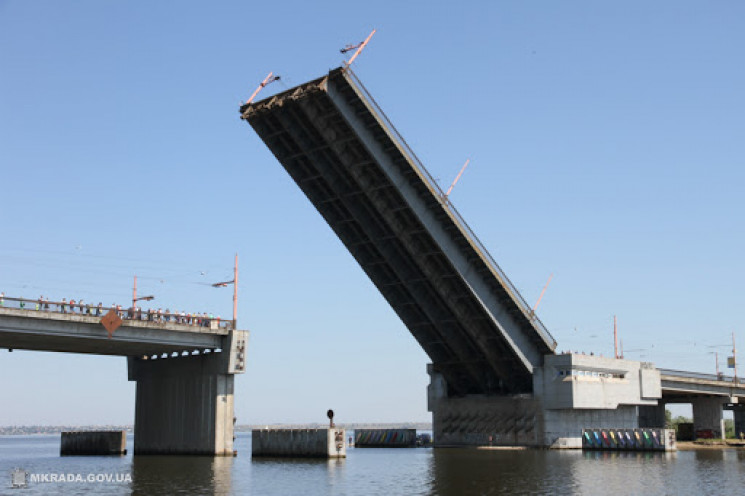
(93, 443)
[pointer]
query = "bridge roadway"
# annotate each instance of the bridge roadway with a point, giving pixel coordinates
(358, 172)
(76, 333)
(679, 386)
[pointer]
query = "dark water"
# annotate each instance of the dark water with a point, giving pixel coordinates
(378, 471)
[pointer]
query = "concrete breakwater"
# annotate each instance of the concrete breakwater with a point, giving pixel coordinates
(385, 438)
(301, 443)
(629, 439)
(93, 443)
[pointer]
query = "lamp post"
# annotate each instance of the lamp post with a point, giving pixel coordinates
(716, 361)
(234, 282)
(731, 361)
(734, 357)
(135, 299)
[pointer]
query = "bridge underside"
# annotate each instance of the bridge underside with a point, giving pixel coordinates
(351, 164)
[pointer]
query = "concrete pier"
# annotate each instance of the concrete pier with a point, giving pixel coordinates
(300, 443)
(93, 443)
(570, 393)
(739, 419)
(707, 416)
(184, 404)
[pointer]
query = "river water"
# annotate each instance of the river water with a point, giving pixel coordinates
(373, 471)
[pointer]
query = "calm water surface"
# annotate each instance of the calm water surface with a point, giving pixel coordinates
(379, 471)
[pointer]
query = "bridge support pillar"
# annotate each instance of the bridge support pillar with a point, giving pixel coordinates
(739, 414)
(184, 404)
(707, 416)
(652, 416)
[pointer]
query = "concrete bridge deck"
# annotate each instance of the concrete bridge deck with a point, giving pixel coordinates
(680, 386)
(68, 332)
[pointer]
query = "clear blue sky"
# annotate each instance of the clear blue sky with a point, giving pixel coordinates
(607, 146)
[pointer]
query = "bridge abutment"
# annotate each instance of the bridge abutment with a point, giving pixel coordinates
(184, 404)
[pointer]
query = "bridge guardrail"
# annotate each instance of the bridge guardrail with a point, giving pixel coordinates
(698, 375)
(149, 315)
(517, 297)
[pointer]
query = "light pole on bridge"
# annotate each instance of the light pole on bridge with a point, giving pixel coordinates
(234, 282)
(135, 299)
(731, 360)
(734, 357)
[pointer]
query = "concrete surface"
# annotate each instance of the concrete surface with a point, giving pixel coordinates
(385, 438)
(184, 404)
(300, 443)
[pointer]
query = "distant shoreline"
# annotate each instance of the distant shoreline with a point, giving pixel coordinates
(20, 430)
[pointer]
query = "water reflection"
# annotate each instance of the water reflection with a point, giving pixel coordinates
(482, 472)
(311, 475)
(707, 456)
(469, 471)
(387, 471)
(158, 475)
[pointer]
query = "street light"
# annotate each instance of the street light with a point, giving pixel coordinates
(135, 299)
(731, 361)
(234, 282)
(716, 359)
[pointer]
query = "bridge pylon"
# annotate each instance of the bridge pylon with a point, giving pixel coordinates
(184, 404)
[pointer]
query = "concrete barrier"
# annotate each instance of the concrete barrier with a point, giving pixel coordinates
(385, 438)
(646, 439)
(93, 443)
(301, 443)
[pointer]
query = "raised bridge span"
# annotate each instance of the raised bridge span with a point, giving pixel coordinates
(351, 163)
(495, 377)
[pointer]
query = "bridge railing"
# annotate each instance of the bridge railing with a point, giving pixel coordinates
(149, 315)
(698, 375)
(443, 199)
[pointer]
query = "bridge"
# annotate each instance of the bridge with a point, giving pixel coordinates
(494, 374)
(184, 369)
(494, 378)
(708, 395)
